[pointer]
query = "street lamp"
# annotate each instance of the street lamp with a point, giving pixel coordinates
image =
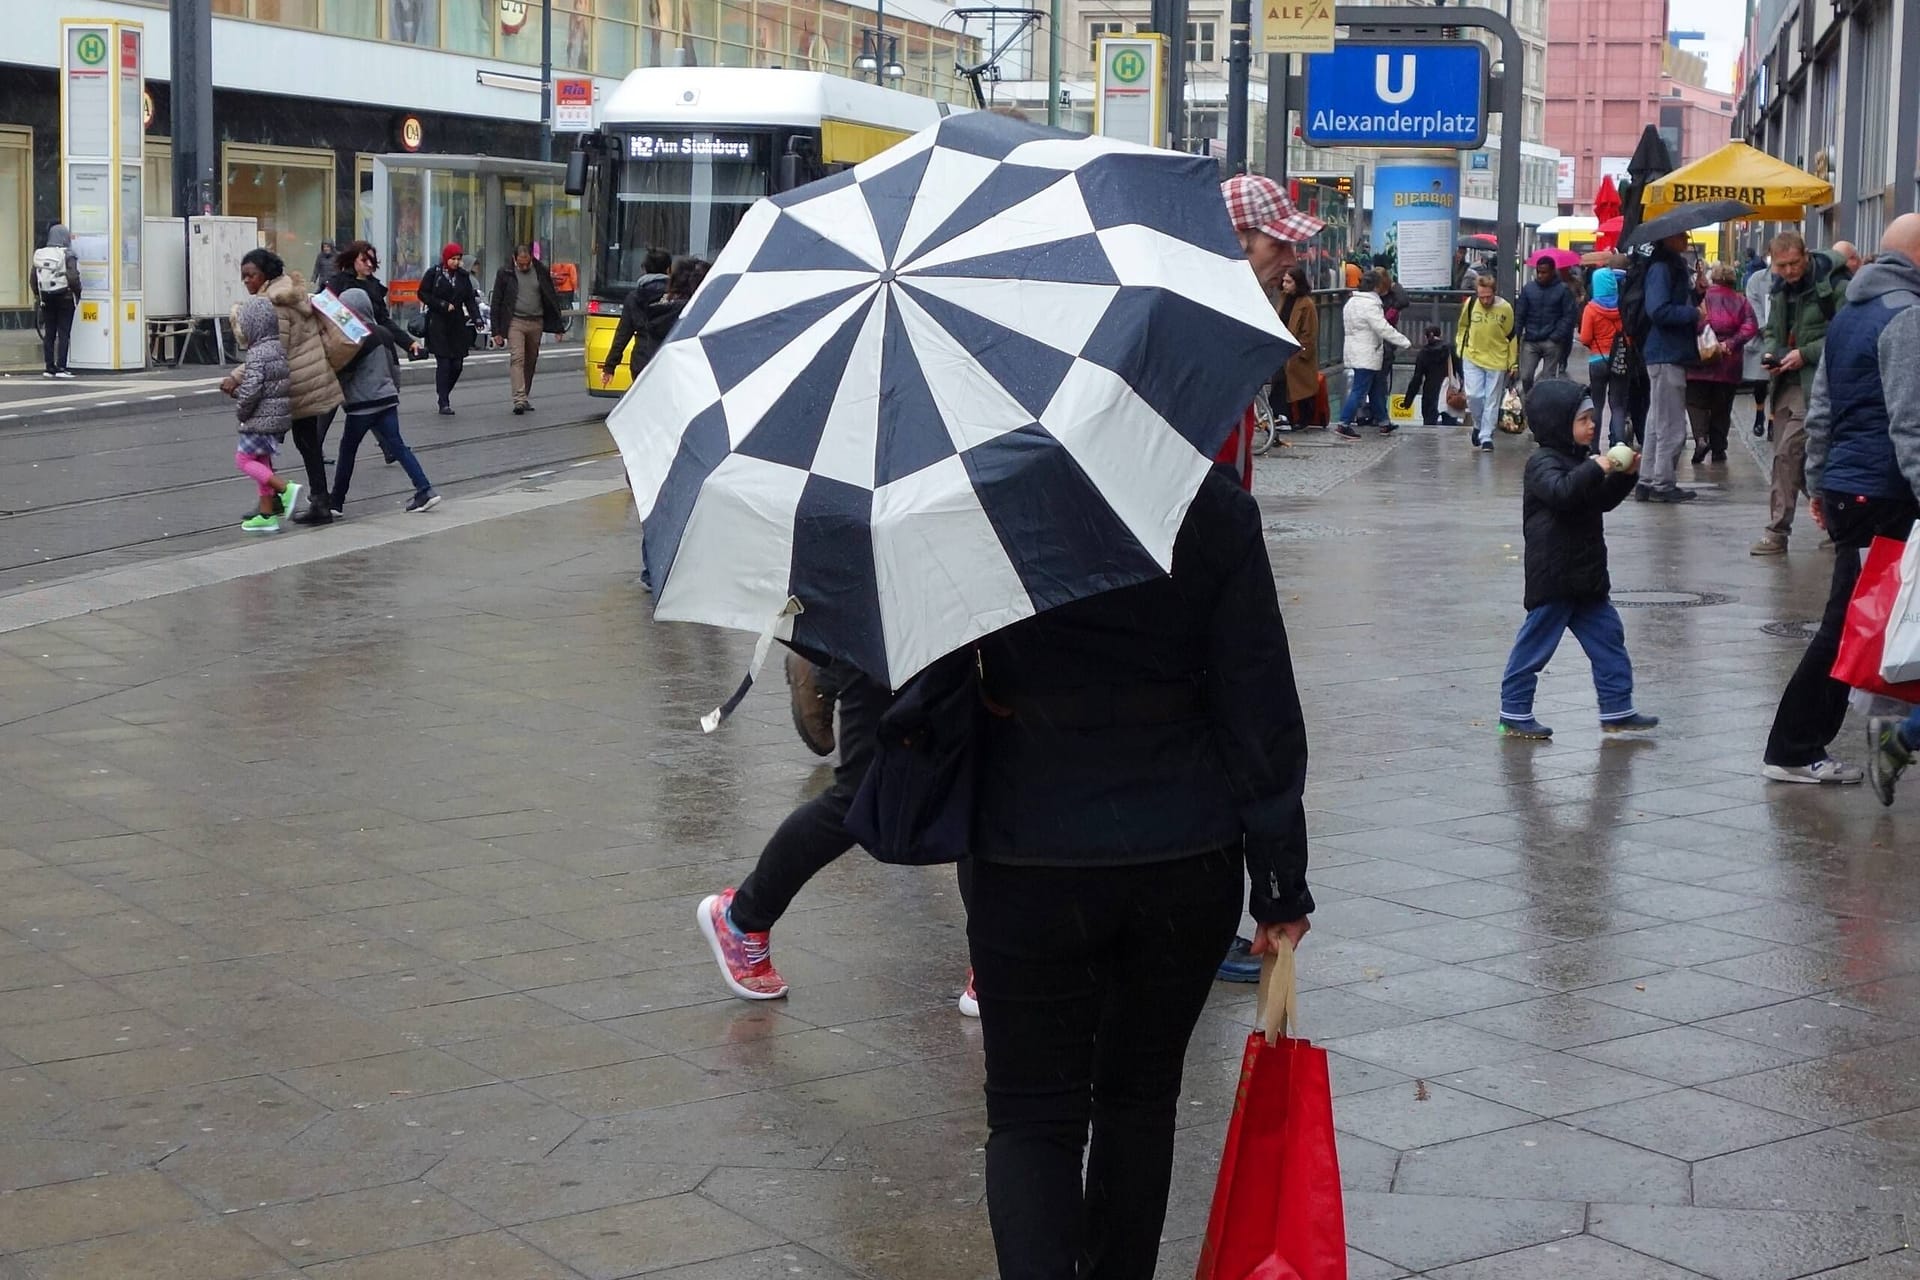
(879, 56)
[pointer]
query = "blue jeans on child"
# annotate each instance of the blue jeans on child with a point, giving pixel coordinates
(385, 427)
(1596, 625)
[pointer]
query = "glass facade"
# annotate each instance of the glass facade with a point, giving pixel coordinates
(613, 37)
(289, 190)
(16, 215)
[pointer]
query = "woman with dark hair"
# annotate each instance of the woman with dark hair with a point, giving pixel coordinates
(452, 304)
(315, 391)
(354, 268)
(1299, 381)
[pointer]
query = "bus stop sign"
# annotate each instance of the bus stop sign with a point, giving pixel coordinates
(1397, 95)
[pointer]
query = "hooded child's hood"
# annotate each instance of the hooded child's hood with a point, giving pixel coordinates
(1551, 410)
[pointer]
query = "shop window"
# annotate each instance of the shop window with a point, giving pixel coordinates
(352, 18)
(288, 190)
(1200, 41)
(572, 33)
(158, 186)
(414, 21)
(470, 24)
(16, 215)
(614, 34)
(288, 13)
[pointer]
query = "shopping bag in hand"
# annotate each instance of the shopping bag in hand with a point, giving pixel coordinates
(1900, 658)
(1276, 1207)
(1513, 414)
(1863, 638)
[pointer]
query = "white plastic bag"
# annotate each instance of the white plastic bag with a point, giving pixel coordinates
(1900, 659)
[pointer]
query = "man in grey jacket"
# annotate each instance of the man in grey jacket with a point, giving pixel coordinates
(1863, 472)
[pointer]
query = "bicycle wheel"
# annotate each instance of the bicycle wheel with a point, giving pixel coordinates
(1263, 424)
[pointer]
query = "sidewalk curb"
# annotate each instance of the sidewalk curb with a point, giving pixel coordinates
(131, 584)
(140, 394)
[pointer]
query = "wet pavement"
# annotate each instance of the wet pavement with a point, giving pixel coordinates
(346, 928)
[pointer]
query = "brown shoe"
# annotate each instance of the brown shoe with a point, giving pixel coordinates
(1771, 544)
(812, 710)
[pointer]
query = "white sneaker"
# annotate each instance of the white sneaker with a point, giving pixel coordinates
(969, 1000)
(1829, 772)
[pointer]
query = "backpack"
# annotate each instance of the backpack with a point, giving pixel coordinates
(1633, 300)
(50, 271)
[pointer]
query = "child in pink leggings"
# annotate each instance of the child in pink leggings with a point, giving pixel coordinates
(263, 399)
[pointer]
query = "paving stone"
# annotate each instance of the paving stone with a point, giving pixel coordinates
(1444, 990)
(1837, 1090)
(228, 1179)
(648, 1235)
(351, 1223)
(40, 1217)
(1687, 1055)
(786, 1262)
(187, 1251)
(1455, 941)
(493, 1254)
(1423, 1114)
(511, 1189)
(1421, 1232)
(1811, 1027)
(1548, 1160)
(1429, 1048)
(1746, 1244)
(1553, 1084)
(1688, 1124)
(343, 1085)
(1561, 1021)
(1567, 966)
(1836, 1169)
(1683, 944)
(655, 1081)
(44, 1042)
(522, 1054)
(1686, 995)
(1583, 1257)
(952, 1243)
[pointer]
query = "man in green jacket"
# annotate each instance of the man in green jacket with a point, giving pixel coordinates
(1809, 287)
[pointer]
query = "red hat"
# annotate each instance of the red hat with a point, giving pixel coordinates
(1257, 203)
(452, 249)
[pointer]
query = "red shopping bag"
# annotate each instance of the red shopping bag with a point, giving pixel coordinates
(1276, 1208)
(1865, 633)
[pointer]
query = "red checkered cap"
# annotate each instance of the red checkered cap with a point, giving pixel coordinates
(1257, 203)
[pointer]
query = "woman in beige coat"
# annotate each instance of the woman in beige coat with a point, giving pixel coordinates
(316, 391)
(1300, 380)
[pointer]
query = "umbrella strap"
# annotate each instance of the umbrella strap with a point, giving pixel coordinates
(782, 621)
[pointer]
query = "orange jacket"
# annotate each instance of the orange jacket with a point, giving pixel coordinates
(1598, 327)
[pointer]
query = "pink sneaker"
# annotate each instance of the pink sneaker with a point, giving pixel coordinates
(969, 999)
(744, 958)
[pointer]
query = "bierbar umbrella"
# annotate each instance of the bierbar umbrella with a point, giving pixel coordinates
(1685, 218)
(1777, 191)
(974, 378)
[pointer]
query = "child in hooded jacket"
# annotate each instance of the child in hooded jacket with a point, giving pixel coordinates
(373, 405)
(1568, 491)
(263, 401)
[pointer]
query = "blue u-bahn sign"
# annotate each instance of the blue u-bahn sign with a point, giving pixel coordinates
(1397, 95)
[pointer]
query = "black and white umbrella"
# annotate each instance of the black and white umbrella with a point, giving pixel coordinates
(976, 377)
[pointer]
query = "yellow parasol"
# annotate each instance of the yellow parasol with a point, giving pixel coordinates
(1777, 191)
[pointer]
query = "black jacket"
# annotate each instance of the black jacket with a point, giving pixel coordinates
(1434, 363)
(376, 291)
(1546, 313)
(637, 324)
(1156, 721)
(1567, 496)
(452, 307)
(506, 287)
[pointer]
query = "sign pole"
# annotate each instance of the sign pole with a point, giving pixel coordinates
(190, 95)
(1239, 82)
(1279, 117)
(546, 79)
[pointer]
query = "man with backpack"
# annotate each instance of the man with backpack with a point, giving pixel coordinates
(1661, 316)
(56, 283)
(1809, 287)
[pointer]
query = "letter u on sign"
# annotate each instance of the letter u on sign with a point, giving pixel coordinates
(1383, 79)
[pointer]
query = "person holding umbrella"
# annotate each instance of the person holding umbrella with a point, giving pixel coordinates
(908, 473)
(1673, 318)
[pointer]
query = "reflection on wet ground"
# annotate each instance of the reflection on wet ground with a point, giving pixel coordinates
(346, 931)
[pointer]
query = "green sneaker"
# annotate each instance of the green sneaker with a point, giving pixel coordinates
(1887, 756)
(290, 498)
(261, 524)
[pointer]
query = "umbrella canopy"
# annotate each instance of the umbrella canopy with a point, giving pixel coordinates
(1557, 258)
(1607, 234)
(1777, 191)
(1651, 160)
(1567, 224)
(976, 377)
(1606, 201)
(1685, 218)
(1479, 240)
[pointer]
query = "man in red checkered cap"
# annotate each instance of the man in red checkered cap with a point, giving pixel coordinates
(1270, 227)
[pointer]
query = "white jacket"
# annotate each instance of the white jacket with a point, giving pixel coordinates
(1367, 332)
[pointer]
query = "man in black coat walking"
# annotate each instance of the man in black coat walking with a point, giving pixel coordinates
(1545, 318)
(1568, 491)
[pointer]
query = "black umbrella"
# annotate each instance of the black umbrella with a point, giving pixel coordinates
(1684, 218)
(1651, 160)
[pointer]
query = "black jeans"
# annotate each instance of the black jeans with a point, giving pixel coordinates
(1608, 391)
(56, 334)
(1428, 389)
(1090, 982)
(1814, 706)
(1710, 412)
(310, 438)
(816, 833)
(446, 373)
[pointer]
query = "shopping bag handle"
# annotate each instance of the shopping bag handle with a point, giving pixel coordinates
(1279, 996)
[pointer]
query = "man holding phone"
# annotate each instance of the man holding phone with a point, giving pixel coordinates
(1809, 286)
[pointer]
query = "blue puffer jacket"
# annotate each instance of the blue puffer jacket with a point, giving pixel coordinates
(1672, 311)
(1865, 376)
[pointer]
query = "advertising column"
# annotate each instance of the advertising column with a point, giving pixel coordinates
(1416, 216)
(102, 154)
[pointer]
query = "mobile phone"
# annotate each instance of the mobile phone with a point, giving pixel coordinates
(1769, 360)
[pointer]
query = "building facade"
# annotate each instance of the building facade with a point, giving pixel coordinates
(310, 95)
(1833, 86)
